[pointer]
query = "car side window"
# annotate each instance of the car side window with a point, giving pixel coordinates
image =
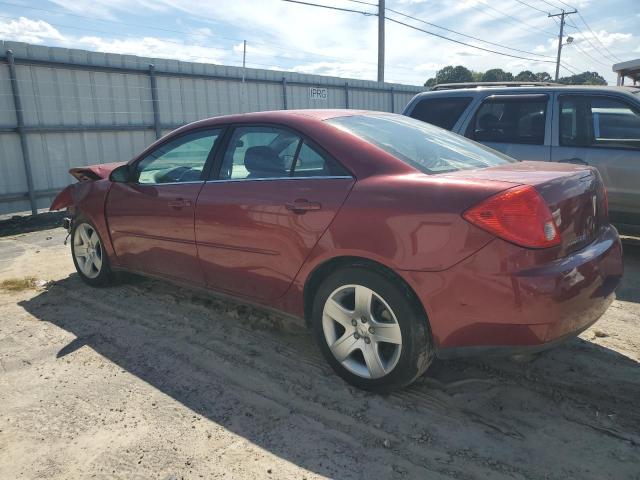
(263, 152)
(311, 163)
(597, 121)
(178, 161)
(505, 119)
(259, 152)
(441, 112)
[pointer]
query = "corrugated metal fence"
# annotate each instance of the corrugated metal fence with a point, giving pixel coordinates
(61, 108)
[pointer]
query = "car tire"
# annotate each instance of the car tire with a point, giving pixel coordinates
(89, 256)
(370, 329)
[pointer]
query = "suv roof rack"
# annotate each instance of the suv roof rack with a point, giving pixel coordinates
(453, 86)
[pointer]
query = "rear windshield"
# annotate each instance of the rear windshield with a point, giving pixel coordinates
(427, 148)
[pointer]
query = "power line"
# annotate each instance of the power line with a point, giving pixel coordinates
(588, 55)
(429, 32)
(594, 47)
(530, 6)
(424, 31)
(466, 44)
(552, 5)
(597, 38)
(329, 7)
(516, 19)
(614, 56)
(465, 35)
(363, 3)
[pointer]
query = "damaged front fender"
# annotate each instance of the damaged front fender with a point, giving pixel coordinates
(64, 199)
(85, 175)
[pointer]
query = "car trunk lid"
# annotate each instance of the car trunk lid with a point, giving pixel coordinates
(574, 194)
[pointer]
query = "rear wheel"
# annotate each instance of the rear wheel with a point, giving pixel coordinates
(89, 257)
(370, 330)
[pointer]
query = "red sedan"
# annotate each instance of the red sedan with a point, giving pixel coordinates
(395, 240)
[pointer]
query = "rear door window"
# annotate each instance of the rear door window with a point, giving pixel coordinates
(510, 119)
(441, 112)
(263, 152)
(593, 121)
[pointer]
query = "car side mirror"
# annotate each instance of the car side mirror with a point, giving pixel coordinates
(122, 174)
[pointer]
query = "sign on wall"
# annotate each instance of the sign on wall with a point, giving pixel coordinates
(317, 93)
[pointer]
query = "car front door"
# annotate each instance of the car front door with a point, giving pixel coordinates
(151, 217)
(603, 131)
(272, 197)
(516, 125)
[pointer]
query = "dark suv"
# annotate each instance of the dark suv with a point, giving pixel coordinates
(598, 126)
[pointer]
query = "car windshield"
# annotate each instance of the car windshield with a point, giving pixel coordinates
(425, 147)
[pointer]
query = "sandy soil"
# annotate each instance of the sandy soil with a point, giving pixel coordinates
(147, 380)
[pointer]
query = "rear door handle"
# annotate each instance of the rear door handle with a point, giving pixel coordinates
(575, 160)
(179, 203)
(302, 205)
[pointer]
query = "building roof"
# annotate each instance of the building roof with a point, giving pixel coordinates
(629, 69)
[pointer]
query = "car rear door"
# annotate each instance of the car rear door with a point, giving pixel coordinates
(151, 218)
(272, 197)
(603, 131)
(518, 125)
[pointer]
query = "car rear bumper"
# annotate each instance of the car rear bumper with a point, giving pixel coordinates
(508, 300)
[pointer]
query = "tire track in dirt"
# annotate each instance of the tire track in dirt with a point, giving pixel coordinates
(295, 392)
(266, 371)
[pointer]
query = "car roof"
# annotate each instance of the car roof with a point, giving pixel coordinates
(472, 91)
(284, 116)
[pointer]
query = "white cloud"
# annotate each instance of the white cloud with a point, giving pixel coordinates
(31, 31)
(153, 47)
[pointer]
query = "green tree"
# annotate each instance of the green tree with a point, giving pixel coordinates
(526, 76)
(584, 78)
(543, 77)
(497, 75)
(450, 74)
(477, 76)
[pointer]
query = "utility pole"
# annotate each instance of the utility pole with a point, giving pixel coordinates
(244, 58)
(243, 94)
(561, 15)
(381, 10)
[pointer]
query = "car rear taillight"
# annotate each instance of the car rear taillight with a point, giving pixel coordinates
(518, 215)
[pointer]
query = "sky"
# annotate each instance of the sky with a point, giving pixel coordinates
(286, 36)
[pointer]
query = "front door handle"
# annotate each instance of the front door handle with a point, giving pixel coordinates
(302, 205)
(575, 160)
(179, 203)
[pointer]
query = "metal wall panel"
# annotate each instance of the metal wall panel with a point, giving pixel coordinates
(71, 96)
(7, 110)
(12, 176)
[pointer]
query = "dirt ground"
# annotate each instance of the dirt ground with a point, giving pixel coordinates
(147, 380)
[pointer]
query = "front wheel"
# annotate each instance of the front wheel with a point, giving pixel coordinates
(370, 330)
(89, 256)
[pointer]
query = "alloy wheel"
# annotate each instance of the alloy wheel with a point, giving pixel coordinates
(362, 331)
(87, 250)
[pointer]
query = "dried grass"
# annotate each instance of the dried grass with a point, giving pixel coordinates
(18, 284)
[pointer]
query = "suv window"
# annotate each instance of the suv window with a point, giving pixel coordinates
(510, 119)
(592, 121)
(441, 112)
(180, 160)
(271, 152)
